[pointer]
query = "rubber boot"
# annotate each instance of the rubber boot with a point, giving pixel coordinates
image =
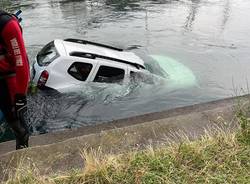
(22, 142)
(21, 133)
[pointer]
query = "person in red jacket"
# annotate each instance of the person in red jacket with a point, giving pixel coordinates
(14, 77)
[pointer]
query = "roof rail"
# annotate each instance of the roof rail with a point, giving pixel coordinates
(92, 43)
(94, 56)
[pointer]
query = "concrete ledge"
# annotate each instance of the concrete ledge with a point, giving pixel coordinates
(61, 151)
(64, 135)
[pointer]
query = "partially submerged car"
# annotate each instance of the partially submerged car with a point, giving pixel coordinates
(66, 64)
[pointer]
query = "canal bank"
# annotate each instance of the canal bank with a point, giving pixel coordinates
(57, 152)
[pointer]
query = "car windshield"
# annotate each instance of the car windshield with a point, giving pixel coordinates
(47, 55)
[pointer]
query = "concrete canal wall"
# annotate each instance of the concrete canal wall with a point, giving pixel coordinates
(60, 151)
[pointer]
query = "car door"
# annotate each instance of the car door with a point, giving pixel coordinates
(109, 73)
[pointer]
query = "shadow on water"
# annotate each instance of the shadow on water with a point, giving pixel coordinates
(92, 14)
(109, 9)
(11, 5)
(226, 14)
(192, 14)
(5, 4)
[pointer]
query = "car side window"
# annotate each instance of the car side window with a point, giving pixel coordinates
(80, 71)
(109, 74)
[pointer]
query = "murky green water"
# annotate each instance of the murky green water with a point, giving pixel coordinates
(210, 37)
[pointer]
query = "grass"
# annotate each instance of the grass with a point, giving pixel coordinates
(221, 157)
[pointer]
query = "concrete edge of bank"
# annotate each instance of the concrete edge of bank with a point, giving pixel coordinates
(57, 152)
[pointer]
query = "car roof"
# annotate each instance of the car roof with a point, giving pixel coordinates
(101, 50)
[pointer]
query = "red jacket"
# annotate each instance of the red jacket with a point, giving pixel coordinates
(15, 59)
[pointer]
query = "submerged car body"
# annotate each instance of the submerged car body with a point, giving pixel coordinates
(65, 64)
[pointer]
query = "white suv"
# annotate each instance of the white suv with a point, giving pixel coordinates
(65, 64)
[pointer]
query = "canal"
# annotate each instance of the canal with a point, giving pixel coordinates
(210, 37)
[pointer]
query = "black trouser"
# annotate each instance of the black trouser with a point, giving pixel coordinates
(17, 124)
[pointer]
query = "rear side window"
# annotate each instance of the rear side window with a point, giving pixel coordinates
(109, 74)
(47, 55)
(80, 71)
